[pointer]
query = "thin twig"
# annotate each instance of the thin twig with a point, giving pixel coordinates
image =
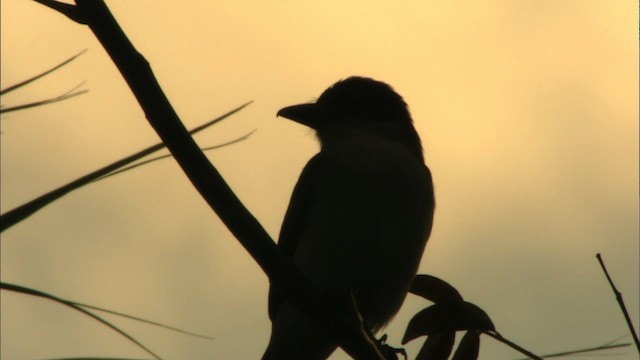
(339, 320)
(33, 292)
(620, 302)
(150, 322)
(68, 10)
(496, 335)
(580, 351)
(29, 291)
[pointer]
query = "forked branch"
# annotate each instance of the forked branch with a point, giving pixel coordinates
(343, 324)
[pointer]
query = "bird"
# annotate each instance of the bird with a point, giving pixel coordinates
(359, 216)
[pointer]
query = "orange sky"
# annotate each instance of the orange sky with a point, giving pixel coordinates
(528, 111)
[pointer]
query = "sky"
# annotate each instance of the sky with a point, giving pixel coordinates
(528, 112)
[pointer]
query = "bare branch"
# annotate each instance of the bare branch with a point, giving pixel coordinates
(70, 11)
(620, 302)
(340, 320)
(496, 335)
(607, 346)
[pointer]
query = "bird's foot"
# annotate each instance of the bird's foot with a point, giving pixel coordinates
(389, 352)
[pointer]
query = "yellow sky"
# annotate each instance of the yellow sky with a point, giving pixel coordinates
(528, 111)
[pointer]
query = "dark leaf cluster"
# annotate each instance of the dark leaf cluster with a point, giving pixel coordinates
(440, 321)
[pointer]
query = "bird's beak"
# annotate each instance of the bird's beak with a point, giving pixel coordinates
(306, 114)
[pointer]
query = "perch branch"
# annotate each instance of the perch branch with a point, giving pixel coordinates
(67, 10)
(620, 302)
(342, 324)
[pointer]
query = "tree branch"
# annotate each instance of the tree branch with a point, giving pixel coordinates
(496, 335)
(340, 320)
(67, 10)
(623, 308)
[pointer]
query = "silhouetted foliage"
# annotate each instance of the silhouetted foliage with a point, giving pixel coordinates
(440, 322)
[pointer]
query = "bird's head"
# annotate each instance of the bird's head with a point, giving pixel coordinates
(360, 104)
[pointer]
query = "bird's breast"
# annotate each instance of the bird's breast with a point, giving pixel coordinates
(368, 222)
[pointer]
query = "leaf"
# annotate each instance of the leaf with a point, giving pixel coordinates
(434, 289)
(437, 347)
(131, 167)
(38, 293)
(469, 347)
(45, 73)
(23, 211)
(432, 320)
(474, 318)
(439, 319)
(65, 96)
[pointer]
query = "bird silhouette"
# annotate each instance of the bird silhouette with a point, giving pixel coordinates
(359, 216)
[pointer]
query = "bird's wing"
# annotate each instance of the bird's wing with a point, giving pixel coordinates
(335, 213)
(294, 224)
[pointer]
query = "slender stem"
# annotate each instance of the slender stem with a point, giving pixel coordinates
(620, 302)
(77, 307)
(22, 212)
(496, 335)
(582, 351)
(45, 73)
(133, 166)
(42, 102)
(154, 323)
